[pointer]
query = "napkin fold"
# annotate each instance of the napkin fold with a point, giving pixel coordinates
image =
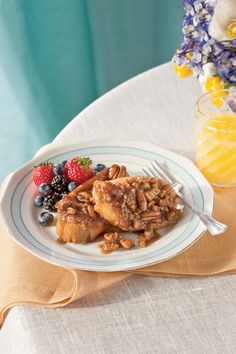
(26, 279)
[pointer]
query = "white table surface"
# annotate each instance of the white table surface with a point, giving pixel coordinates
(141, 314)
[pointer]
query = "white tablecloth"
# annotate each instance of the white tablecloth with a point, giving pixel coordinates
(141, 314)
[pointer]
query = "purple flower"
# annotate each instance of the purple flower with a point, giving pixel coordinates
(188, 9)
(199, 48)
(188, 30)
(196, 55)
(196, 69)
(207, 48)
(226, 66)
(202, 35)
(186, 45)
(180, 59)
(197, 5)
(211, 3)
(233, 42)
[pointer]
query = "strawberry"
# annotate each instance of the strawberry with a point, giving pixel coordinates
(78, 169)
(43, 173)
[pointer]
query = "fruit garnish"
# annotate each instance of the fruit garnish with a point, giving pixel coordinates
(59, 168)
(59, 183)
(50, 201)
(43, 173)
(78, 169)
(72, 186)
(44, 189)
(45, 218)
(38, 201)
(99, 167)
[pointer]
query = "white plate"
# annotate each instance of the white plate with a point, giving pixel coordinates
(20, 215)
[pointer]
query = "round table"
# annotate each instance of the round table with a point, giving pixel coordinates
(142, 314)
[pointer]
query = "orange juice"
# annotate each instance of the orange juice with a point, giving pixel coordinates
(216, 147)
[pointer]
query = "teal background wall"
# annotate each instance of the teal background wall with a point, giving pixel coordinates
(57, 56)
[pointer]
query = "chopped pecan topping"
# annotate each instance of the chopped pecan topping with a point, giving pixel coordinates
(127, 243)
(150, 215)
(71, 211)
(91, 211)
(108, 247)
(84, 196)
(131, 200)
(142, 241)
(132, 205)
(146, 185)
(112, 241)
(137, 224)
(147, 237)
(164, 202)
(151, 204)
(152, 194)
(113, 236)
(142, 202)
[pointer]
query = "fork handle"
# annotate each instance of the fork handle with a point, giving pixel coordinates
(213, 226)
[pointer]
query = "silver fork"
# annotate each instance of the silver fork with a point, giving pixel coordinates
(213, 226)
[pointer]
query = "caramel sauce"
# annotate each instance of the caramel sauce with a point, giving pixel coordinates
(154, 239)
(61, 241)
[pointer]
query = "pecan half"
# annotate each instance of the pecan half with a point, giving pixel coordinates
(112, 236)
(91, 211)
(122, 172)
(147, 237)
(150, 215)
(108, 247)
(113, 172)
(84, 196)
(142, 203)
(152, 194)
(71, 211)
(127, 243)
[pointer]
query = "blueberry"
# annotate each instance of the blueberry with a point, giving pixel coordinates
(44, 189)
(45, 218)
(38, 201)
(99, 167)
(72, 186)
(59, 168)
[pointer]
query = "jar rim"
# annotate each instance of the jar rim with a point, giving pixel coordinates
(209, 117)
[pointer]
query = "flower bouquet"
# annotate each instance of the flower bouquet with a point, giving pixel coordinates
(209, 48)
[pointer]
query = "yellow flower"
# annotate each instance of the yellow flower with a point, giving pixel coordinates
(189, 55)
(216, 100)
(231, 30)
(183, 71)
(212, 84)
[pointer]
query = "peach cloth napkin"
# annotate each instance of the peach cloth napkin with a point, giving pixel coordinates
(25, 279)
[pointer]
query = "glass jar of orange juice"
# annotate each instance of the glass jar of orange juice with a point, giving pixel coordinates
(216, 137)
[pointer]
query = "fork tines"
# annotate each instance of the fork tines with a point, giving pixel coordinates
(158, 171)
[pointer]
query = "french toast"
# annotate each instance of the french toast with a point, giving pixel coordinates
(78, 222)
(112, 202)
(136, 203)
